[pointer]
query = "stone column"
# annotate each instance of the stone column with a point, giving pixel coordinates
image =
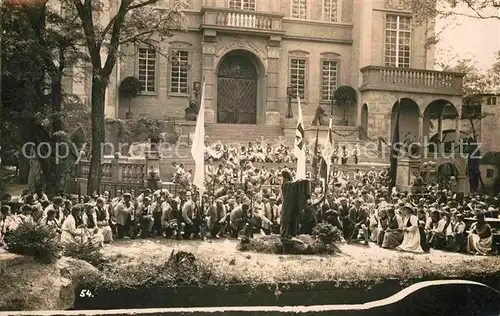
(440, 131)
(208, 72)
(457, 130)
(420, 135)
(272, 113)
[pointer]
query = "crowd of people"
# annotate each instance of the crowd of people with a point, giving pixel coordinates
(361, 207)
(231, 163)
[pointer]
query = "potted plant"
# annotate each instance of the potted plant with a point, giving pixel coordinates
(344, 97)
(130, 88)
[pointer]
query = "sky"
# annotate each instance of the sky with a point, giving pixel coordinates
(470, 38)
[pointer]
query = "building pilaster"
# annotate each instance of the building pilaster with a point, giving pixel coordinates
(208, 72)
(272, 115)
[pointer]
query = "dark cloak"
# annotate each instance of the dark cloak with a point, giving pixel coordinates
(295, 195)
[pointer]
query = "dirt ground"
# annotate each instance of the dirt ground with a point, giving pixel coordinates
(354, 263)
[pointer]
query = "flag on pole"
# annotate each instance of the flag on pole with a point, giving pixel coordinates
(198, 146)
(299, 147)
(316, 154)
(327, 154)
(394, 151)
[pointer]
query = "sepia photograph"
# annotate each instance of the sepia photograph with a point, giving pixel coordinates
(250, 157)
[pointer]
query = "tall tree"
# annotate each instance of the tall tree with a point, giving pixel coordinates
(424, 10)
(39, 45)
(130, 22)
(476, 84)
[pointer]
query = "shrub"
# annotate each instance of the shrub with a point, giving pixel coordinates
(327, 233)
(85, 250)
(37, 240)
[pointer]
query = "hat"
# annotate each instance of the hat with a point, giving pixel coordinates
(409, 207)
(127, 195)
(272, 198)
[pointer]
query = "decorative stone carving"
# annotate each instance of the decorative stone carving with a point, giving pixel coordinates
(273, 52)
(240, 41)
(396, 5)
(208, 48)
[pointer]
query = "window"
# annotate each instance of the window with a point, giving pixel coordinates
(179, 72)
(490, 173)
(242, 4)
(298, 77)
(328, 79)
(397, 41)
(147, 69)
(491, 101)
(299, 9)
(330, 10)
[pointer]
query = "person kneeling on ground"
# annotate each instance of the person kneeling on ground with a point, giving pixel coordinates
(93, 233)
(238, 219)
(145, 217)
(189, 211)
(217, 218)
(102, 215)
(71, 232)
(456, 240)
(480, 238)
(358, 216)
(393, 236)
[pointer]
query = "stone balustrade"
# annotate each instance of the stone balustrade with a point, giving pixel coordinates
(129, 170)
(251, 20)
(411, 80)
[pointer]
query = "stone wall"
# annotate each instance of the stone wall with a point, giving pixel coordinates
(162, 104)
(380, 110)
(490, 124)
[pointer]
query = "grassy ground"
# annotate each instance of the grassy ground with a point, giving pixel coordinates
(355, 263)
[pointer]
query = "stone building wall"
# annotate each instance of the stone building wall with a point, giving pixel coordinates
(358, 39)
(490, 127)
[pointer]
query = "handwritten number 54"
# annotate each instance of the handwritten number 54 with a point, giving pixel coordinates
(86, 293)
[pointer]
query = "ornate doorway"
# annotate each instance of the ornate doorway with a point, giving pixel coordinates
(237, 91)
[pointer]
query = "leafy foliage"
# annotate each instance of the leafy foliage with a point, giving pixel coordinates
(130, 87)
(85, 250)
(491, 158)
(132, 23)
(327, 233)
(37, 240)
(345, 96)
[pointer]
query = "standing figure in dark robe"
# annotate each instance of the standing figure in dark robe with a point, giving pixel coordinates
(295, 194)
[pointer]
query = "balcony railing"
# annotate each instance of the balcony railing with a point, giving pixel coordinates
(411, 80)
(249, 20)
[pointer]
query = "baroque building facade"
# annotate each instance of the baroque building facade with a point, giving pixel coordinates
(250, 51)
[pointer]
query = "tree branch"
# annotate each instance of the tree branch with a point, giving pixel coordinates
(85, 13)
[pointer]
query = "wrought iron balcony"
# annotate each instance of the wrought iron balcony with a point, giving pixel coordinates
(411, 80)
(241, 20)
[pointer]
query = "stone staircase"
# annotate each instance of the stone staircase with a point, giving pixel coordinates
(241, 135)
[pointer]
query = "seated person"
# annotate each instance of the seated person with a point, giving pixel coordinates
(456, 240)
(480, 239)
(393, 236)
(437, 236)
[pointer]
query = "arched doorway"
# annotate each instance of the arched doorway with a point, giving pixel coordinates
(364, 122)
(439, 126)
(408, 119)
(237, 89)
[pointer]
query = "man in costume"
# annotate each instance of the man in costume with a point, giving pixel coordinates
(295, 194)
